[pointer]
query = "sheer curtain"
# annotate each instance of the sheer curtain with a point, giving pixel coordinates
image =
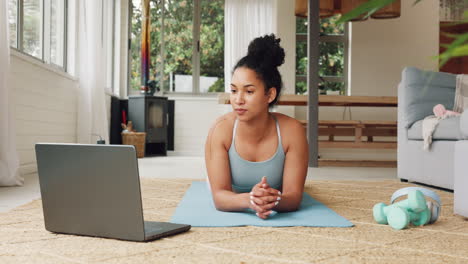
(92, 114)
(245, 20)
(9, 161)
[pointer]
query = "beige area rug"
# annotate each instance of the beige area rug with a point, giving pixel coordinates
(23, 238)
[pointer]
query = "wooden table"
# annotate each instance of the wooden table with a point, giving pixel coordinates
(341, 100)
(330, 100)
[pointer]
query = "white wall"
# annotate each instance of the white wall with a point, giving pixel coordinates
(193, 119)
(286, 30)
(46, 98)
(45, 107)
(380, 49)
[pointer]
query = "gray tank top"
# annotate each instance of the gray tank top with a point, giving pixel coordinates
(245, 174)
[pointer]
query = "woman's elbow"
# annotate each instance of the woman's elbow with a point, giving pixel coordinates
(295, 207)
(291, 208)
(292, 205)
(219, 205)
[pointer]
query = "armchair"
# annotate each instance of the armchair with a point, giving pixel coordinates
(418, 92)
(446, 163)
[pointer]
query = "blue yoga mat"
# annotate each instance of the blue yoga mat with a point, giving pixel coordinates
(197, 209)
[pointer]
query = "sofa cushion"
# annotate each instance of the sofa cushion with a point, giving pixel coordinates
(447, 129)
(464, 124)
(423, 90)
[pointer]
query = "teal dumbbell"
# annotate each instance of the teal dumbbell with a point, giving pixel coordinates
(400, 214)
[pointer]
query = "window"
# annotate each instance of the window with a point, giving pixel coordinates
(31, 31)
(56, 38)
(333, 52)
(13, 22)
(186, 45)
(38, 28)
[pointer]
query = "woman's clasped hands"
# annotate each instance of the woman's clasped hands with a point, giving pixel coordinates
(263, 198)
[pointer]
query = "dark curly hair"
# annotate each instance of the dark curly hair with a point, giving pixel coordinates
(264, 56)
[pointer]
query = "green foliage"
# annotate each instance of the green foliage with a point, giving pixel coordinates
(12, 17)
(212, 39)
(329, 26)
(301, 87)
(459, 46)
(178, 40)
(135, 48)
(331, 60)
(217, 87)
(301, 25)
(331, 57)
(32, 23)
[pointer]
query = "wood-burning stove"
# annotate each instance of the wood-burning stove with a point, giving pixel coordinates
(150, 114)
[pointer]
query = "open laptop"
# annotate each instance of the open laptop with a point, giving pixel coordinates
(94, 190)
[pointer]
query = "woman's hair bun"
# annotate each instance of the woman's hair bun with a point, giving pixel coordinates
(266, 51)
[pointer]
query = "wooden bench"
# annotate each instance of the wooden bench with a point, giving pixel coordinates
(357, 129)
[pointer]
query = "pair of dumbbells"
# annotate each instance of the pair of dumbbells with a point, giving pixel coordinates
(398, 215)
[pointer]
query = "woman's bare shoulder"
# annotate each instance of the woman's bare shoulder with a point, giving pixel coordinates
(288, 123)
(292, 131)
(225, 121)
(221, 129)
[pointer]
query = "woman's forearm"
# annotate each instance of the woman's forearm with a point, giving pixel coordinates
(230, 201)
(289, 202)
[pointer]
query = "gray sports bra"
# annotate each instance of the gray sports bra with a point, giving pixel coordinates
(245, 174)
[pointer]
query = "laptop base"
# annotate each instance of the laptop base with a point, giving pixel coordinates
(156, 230)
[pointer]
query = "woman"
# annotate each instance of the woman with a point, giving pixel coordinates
(257, 159)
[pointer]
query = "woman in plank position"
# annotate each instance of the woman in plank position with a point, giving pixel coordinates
(257, 159)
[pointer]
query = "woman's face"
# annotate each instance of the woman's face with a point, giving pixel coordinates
(248, 98)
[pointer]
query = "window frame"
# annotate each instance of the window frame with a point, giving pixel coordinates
(196, 30)
(302, 37)
(45, 45)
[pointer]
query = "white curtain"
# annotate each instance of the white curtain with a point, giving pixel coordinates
(245, 20)
(92, 114)
(9, 161)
